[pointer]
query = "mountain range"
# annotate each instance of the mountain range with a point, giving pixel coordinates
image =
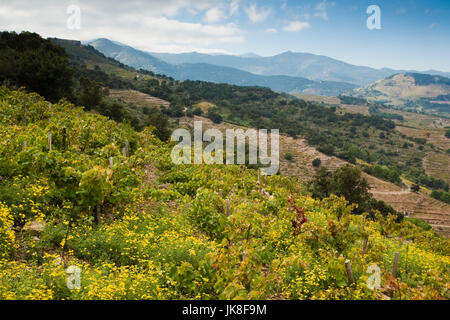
(287, 72)
(214, 72)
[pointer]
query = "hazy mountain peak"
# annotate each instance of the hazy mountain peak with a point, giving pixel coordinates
(250, 55)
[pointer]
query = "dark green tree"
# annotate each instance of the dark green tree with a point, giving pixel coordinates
(37, 64)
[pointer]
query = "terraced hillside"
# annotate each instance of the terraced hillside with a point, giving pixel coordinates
(138, 98)
(421, 206)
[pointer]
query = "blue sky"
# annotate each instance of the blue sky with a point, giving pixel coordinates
(414, 34)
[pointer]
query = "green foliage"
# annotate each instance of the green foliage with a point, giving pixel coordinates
(316, 162)
(420, 223)
(415, 188)
(441, 196)
(288, 156)
(214, 115)
(38, 65)
(184, 240)
(352, 100)
(348, 182)
(388, 174)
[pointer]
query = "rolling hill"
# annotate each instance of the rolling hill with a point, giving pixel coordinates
(412, 91)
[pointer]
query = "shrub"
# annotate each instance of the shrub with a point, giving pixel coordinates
(316, 162)
(288, 156)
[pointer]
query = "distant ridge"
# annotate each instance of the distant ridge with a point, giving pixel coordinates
(197, 69)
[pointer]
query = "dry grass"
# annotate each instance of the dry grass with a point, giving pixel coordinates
(204, 106)
(139, 98)
(438, 165)
(434, 136)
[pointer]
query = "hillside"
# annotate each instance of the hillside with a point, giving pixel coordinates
(140, 227)
(370, 139)
(420, 206)
(411, 91)
(216, 73)
(119, 92)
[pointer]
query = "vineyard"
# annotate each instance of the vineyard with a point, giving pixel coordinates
(77, 189)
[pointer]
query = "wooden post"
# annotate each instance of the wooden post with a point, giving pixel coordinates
(259, 177)
(395, 265)
(348, 266)
(227, 207)
(24, 145)
(126, 150)
(49, 139)
(25, 111)
(364, 250)
(111, 163)
(49, 106)
(220, 193)
(98, 214)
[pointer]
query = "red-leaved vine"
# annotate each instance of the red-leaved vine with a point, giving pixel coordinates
(300, 219)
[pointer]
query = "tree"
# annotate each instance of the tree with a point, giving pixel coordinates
(447, 133)
(348, 181)
(161, 124)
(320, 184)
(197, 111)
(91, 93)
(214, 115)
(316, 162)
(37, 64)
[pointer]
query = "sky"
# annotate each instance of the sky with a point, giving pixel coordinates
(413, 34)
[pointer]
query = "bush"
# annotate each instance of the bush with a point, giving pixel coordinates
(420, 223)
(214, 115)
(197, 111)
(316, 162)
(288, 156)
(415, 188)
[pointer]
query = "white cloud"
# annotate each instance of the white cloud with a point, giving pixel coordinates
(234, 6)
(321, 9)
(139, 24)
(431, 26)
(271, 30)
(257, 15)
(214, 15)
(296, 26)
